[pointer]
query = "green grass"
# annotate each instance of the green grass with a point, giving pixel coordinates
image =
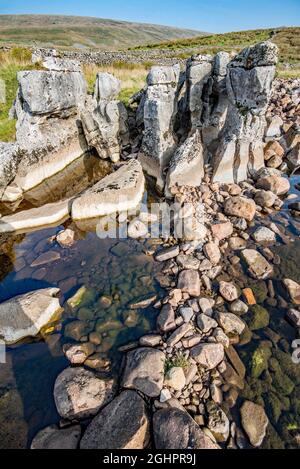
(82, 32)
(131, 76)
(287, 40)
(10, 64)
(178, 361)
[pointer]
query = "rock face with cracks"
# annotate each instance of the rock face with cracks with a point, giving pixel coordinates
(105, 118)
(159, 142)
(48, 134)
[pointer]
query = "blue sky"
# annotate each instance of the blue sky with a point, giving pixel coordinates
(205, 15)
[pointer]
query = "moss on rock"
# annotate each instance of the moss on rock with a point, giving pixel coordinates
(258, 318)
(259, 360)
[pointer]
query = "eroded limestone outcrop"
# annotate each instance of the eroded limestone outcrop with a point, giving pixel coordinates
(249, 84)
(225, 103)
(49, 135)
(105, 118)
(160, 106)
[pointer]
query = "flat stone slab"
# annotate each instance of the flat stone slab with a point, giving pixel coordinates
(117, 192)
(25, 315)
(34, 218)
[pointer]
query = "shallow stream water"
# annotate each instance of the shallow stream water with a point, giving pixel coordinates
(117, 273)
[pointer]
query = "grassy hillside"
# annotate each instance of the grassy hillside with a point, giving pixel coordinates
(83, 32)
(287, 39)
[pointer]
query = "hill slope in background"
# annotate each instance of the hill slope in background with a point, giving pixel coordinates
(83, 32)
(287, 39)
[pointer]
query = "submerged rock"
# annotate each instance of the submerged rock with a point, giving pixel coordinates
(79, 394)
(117, 192)
(122, 424)
(293, 289)
(57, 438)
(175, 429)
(25, 315)
(258, 266)
(254, 422)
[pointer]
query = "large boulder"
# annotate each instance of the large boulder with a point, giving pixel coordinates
(79, 394)
(144, 371)
(160, 106)
(240, 148)
(122, 424)
(175, 429)
(25, 315)
(48, 134)
(9, 160)
(117, 192)
(198, 73)
(104, 118)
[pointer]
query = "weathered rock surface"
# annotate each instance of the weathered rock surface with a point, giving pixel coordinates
(122, 424)
(228, 291)
(175, 429)
(264, 235)
(159, 143)
(117, 192)
(144, 371)
(35, 218)
(79, 394)
(187, 165)
(189, 282)
(248, 91)
(208, 355)
(276, 184)
(48, 135)
(25, 315)
(54, 438)
(231, 324)
(240, 207)
(104, 118)
(255, 422)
